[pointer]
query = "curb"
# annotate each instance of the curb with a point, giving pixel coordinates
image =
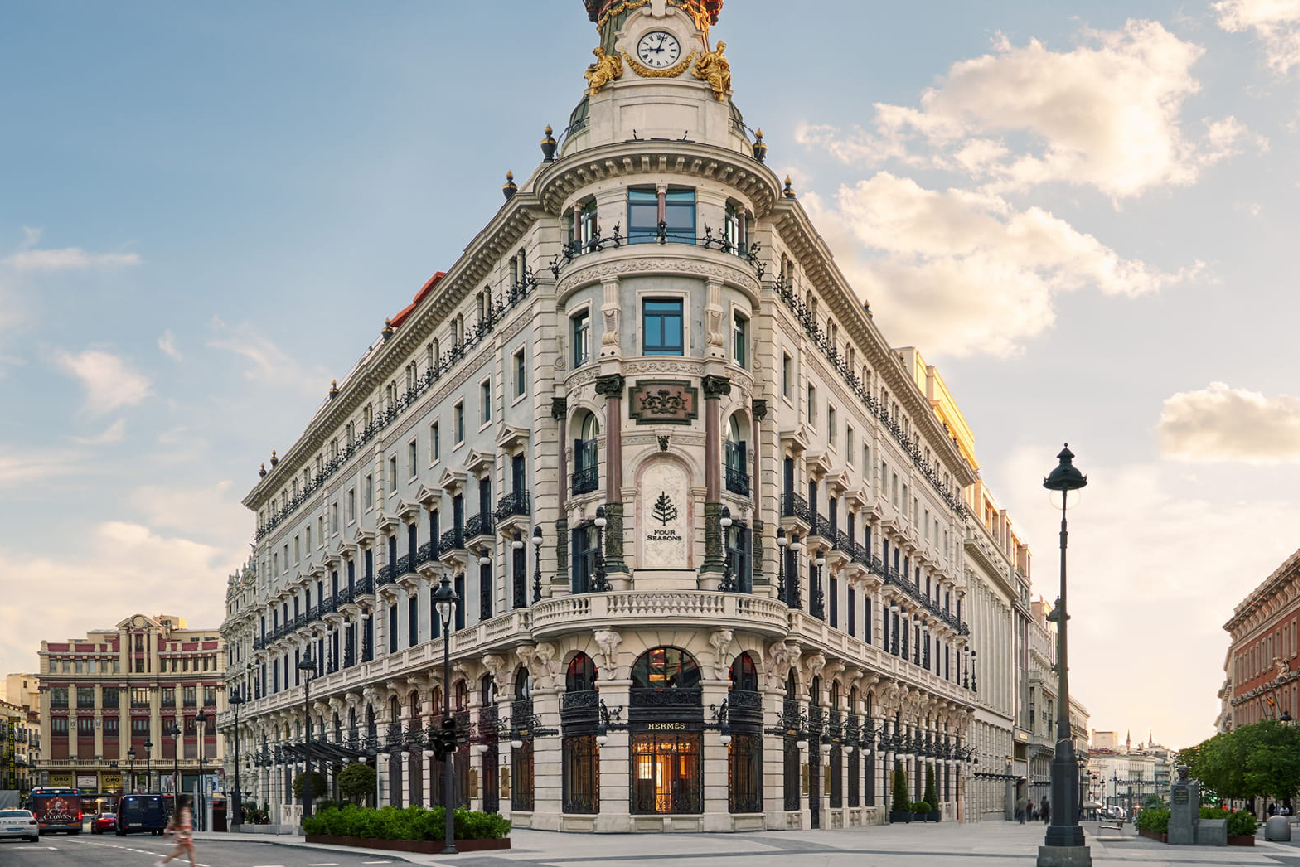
(269, 840)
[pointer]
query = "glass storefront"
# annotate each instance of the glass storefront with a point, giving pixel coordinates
(666, 773)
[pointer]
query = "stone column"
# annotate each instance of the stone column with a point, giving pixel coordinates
(759, 411)
(560, 412)
(715, 387)
(717, 782)
(610, 386)
(773, 759)
(547, 762)
(615, 764)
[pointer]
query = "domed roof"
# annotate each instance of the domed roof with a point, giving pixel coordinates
(597, 9)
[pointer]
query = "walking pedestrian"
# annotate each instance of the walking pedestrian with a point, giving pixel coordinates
(1022, 807)
(1045, 810)
(182, 827)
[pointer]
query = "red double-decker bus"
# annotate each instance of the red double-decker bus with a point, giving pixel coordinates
(57, 808)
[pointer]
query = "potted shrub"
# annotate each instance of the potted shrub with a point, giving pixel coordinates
(931, 796)
(1241, 828)
(1153, 823)
(356, 782)
(921, 811)
(317, 785)
(900, 809)
(413, 829)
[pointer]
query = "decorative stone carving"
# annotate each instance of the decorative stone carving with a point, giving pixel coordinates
(494, 664)
(728, 274)
(816, 663)
(760, 409)
(559, 408)
(716, 387)
(561, 549)
(614, 538)
(714, 559)
(663, 442)
(720, 640)
(610, 385)
(663, 401)
(608, 641)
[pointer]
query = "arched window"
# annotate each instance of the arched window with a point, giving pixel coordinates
(665, 668)
(735, 458)
(790, 765)
(523, 685)
(462, 696)
(487, 690)
(581, 675)
(743, 673)
(586, 456)
(521, 756)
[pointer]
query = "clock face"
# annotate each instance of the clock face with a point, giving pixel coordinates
(658, 49)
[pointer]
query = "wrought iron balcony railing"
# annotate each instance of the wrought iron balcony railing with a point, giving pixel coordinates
(586, 480)
(514, 503)
(795, 506)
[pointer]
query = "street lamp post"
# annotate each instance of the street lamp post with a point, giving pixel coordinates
(780, 564)
(175, 732)
(201, 719)
(537, 563)
(238, 818)
(818, 597)
(601, 584)
(1064, 844)
(308, 668)
(130, 755)
(444, 599)
(148, 765)
(728, 584)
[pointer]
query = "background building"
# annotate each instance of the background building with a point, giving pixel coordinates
(708, 531)
(109, 704)
(1262, 678)
(1122, 775)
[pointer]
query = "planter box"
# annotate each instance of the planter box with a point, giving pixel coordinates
(425, 847)
(935, 816)
(900, 816)
(1241, 839)
(1162, 836)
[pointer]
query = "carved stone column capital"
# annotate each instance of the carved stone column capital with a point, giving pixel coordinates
(716, 387)
(610, 385)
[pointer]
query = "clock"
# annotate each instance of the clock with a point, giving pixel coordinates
(658, 49)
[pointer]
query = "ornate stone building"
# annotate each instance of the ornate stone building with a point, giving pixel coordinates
(708, 534)
(1262, 668)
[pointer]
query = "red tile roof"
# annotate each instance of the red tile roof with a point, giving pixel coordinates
(419, 296)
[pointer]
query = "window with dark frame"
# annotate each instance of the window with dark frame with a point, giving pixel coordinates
(661, 327)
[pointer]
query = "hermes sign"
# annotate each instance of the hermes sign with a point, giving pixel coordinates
(663, 401)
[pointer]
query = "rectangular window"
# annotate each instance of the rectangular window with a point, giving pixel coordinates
(85, 698)
(110, 727)
(368, 492)
(661, 327)
(580, 329)
(85, 727)
(392, 474)
(785, 374)
(830, 425)
(110, 697)
(642, 215)
(59, 697)
(59, 727)
(435, 443)
(679, 216)
(352, 505)
(458, 415)
(334, 517)
(848, 443)
(739, 340)
(521, 374)
(485, 401)
(812, 404)
(412, 458)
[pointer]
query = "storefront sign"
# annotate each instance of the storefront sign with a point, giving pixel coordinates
(112, 782)
(667, 726)
(87, 781)
(61, 780)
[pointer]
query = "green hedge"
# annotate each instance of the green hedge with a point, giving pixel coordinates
(1153, 820)
(1241, 823)
(411, 823)
(922, 807)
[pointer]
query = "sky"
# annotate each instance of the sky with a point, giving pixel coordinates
(1082, 213)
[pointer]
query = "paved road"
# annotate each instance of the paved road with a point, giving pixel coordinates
(143, 851)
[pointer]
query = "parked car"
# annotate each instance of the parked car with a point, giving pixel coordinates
(103, 822)
(19, 823)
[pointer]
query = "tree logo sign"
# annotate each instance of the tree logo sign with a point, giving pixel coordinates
(664, 510)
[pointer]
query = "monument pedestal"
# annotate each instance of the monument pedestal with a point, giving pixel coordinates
(1064, 856)
(1184, 811)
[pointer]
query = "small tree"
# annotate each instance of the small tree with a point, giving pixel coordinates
(356, 782)
(931, 794)
(902, 803)
(317, 785)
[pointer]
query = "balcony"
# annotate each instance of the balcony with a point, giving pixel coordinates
(738, 481)
(667, 607)
(795, 506)
(586, 480)
(452, 540)
(479, 525)
(515, 503)
(386, 575)
(427, 553)
(405, 566)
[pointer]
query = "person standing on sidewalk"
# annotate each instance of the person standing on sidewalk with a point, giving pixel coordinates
(1045, 810)
(1022, 808)
(182, 825)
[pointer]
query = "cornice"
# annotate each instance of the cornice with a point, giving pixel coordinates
(1257, 598)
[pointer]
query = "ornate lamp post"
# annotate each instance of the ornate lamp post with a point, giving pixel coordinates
(728, 584)
(537, 563)
(600, 585)
(175, 732)
(444, 599)
(819, 598)
(130, 755)
(307, 666)
(1064, 844)
(238, 818)
(148, 764)
(201, 719)
(780, 563)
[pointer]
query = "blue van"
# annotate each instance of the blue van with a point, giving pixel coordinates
(147, 812)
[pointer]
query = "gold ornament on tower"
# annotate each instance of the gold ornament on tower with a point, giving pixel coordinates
(607, 68)
(716, 70)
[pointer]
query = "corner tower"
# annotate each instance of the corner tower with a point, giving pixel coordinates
(656, 74)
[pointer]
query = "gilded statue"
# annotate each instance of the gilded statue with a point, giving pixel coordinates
(606, 68)
(716, 70)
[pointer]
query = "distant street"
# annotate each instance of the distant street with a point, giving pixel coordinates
(142, 851)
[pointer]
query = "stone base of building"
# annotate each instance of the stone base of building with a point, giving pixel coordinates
(614, 823)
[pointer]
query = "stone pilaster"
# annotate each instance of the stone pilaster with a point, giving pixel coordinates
(715, 387)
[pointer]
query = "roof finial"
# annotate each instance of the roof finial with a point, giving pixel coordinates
(760, 147)
(789, 192)
(261, 473)
(334, 388)
(274, 459)
(508, 188)
(548, 145)
(387, 330)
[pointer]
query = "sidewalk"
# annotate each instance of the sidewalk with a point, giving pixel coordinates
(981, 844)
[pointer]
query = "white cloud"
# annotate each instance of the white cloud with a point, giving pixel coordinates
(267, 363)
(1106, 114)
(207, 512)
(20, 467)
(109, 382)
(167, 343)
(67, 259)
(1220, 423)
(113, 434)
(1276, 23)
(960, 272)
(1148, 582)
(115, 570)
